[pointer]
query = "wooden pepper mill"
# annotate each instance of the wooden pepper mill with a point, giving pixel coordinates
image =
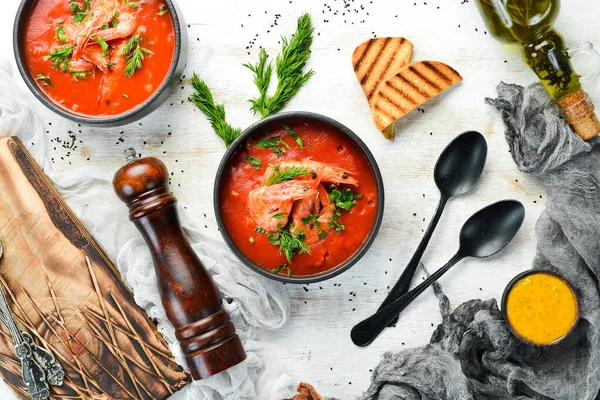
(189, 295)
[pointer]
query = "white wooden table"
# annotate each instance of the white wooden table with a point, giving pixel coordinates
(315, 343)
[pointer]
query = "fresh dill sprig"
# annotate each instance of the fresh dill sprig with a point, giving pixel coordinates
(262, 78)
(214, 112)
(134, 54)
(289, 243)
(289, 68)
(60, 57)
(287, 174)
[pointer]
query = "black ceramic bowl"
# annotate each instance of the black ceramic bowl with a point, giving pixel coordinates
(509, 287)
(158, 97)
(259, 128)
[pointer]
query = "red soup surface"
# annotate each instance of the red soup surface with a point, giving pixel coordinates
(99, 57)
(253, 203)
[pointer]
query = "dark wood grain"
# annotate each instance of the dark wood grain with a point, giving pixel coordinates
(65, 291)
(189, 295)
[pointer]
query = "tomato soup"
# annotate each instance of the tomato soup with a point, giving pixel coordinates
(301, 185)
(99, 57)
(541, 308)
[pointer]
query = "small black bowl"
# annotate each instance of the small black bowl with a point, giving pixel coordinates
(259, 127)
(167, 87)
(510, 286)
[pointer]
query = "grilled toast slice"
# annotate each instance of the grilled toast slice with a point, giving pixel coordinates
(376, 60)
(411, 86)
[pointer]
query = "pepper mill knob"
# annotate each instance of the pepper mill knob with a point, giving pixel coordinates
(189, 295)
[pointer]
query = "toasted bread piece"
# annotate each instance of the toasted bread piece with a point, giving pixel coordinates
(410, 87)
(376, 60)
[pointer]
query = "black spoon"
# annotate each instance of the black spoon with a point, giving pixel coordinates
(487, 232)
(456, 172)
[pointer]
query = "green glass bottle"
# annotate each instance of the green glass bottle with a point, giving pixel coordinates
(529, 23)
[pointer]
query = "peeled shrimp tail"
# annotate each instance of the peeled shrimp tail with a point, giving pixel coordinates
(80, 66)
(330, 174)
(94, 55)
(125, 27)
(270, 206)
(101, 13)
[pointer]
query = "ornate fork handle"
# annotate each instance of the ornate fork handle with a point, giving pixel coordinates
(54, 371)
(33, 374)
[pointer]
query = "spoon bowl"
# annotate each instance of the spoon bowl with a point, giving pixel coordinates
(460, 165)
(491, 229)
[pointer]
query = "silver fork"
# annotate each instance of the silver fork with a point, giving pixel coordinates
(38, 366)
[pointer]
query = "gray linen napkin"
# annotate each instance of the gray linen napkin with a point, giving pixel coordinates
(472, 355)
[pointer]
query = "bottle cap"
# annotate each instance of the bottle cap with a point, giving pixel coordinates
(578, 111)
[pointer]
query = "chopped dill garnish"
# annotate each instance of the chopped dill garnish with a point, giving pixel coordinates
(163, 10)
(289, 68)
(334, 223)
(134, 54)
(61, 37)
(294, 135)
(282, 267)
(77, 75)
(79, 10)
(60, 57)
(322, 234)
(103, 45)
(114, 21)
(45, 79)
(251, 240)
(280, 216)
(311, 221)
(215, 113)
(287, 174)
(343, 199)
(255, 162)
(273, 144)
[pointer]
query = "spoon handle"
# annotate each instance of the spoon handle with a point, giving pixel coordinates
(403, 283)
(366, 331)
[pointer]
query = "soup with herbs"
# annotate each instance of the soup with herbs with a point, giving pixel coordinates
(299, 199)
(99, 57)
(541, 308)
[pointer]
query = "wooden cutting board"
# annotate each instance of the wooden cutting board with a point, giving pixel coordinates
(65, 292)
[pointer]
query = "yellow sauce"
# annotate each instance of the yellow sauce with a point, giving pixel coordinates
(541, 308)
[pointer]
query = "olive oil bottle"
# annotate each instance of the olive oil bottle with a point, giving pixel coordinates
(529, 23)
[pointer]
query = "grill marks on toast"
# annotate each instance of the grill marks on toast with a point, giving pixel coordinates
(376, 60)
(410, 87)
